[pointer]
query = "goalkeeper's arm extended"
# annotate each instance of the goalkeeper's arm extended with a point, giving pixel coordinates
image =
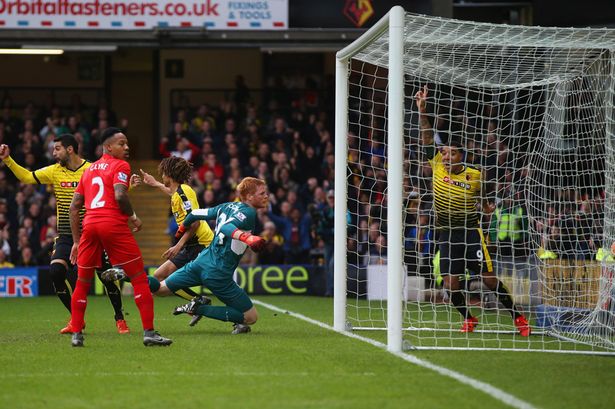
(256, 243)
(195, 215)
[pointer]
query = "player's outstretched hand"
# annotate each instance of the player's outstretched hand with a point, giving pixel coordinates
(421, 99)
(180, 231)
(74, 251)
(5, 151)
(488, 207)
(256, 243)
(135, 180)
(148, 179)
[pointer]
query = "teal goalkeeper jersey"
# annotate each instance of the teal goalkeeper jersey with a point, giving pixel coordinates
(224, 253)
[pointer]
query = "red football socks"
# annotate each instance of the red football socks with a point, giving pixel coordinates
(144, 301)
(79, 302)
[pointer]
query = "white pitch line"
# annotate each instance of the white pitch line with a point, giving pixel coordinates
(486, 388)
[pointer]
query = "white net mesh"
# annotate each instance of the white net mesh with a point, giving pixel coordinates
(533, 110)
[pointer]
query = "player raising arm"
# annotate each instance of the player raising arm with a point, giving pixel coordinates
(64, 176)
(456, 190)
(103, 190)
(175, 173)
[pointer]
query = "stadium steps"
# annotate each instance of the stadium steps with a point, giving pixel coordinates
(152, 206)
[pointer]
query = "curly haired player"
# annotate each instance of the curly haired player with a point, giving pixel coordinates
(176, 173)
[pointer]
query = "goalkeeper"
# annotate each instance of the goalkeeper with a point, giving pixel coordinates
(457, 189)
(214, 266)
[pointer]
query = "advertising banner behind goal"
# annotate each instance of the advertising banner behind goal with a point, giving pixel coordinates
(19, 282)
(143, 15)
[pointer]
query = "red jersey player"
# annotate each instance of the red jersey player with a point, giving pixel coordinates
(103, 189)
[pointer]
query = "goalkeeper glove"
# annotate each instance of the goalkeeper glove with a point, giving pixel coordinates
(256, 243)
(180, 231)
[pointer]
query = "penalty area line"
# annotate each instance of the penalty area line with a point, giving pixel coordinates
(483, 387)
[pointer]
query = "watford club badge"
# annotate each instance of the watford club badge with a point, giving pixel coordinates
(358, 11)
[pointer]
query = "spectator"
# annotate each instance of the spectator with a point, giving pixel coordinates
(324, 219)
(281, 162)
(43, 256)
(211, 164)
(4, 241)
(208, 199)
(308, 164)
(295, 229)
(273, 252)
(378, 252)
(285, 181)
(185, 149)
(220, 190)
(293, 199)
(50, 226)
(197, 125)
(4, 263)
(234, 179)
(264, 154)
(280, 133)
(263, 173)
(26, 258)
(205, 133)
(252, 168)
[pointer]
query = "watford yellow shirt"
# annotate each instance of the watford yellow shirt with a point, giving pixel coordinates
(183, 202)
(455, 195)
(64, 182)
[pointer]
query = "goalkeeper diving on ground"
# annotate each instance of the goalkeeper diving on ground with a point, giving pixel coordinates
(215, 265)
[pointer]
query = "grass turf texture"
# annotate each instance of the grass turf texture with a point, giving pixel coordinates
(440, 324)
(283, 363)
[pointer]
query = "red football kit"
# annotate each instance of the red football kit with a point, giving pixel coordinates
(104, 225)
(106, 228)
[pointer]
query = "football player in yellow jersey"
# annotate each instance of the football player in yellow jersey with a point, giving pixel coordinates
(457, 190)
(64, 176)
(175, 173)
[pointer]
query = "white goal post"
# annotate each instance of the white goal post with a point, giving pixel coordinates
(532, 109)
(394, 23)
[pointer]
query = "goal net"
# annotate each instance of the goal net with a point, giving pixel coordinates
(530, 111)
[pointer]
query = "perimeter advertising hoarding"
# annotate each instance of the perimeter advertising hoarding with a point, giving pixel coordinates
(18, 282)
(144, 14)
(257, 280)
(276, 279)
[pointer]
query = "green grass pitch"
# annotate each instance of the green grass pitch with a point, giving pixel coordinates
(283, 363)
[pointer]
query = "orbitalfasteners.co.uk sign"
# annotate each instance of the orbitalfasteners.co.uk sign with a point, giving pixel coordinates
(144, 14)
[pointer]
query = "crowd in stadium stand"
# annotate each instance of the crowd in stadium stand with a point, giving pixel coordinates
(291, 148)
(565, 222)
(28, 212)
(286, 140)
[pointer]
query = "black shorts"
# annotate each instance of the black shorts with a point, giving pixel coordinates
(62, 246)
(462, 249)
(188, 253)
